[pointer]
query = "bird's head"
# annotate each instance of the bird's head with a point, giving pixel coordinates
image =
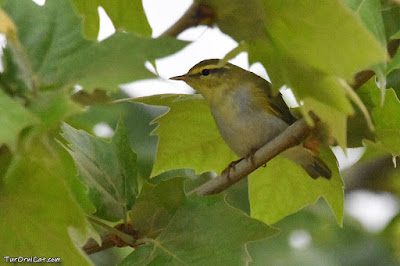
(212, 79)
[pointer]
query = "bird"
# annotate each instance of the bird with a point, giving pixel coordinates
(247, 113)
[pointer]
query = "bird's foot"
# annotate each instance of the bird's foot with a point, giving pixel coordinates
(230, 167)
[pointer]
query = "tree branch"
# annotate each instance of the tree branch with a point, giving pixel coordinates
(292, 136)
(197, 14)
(91, 245)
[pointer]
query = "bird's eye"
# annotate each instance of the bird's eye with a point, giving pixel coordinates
(205, 72)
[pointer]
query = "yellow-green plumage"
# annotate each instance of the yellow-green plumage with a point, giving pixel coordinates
(246, 112)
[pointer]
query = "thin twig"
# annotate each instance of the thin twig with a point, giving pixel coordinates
(292, 136)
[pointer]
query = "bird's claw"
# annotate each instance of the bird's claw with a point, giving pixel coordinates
(231, 166)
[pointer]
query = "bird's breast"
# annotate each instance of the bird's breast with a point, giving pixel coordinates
(243, 126)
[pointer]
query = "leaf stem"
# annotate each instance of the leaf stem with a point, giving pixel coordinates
(125, 237)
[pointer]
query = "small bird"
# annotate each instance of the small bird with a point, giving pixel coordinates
(246, 112)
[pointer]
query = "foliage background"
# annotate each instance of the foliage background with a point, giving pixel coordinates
(58, 83)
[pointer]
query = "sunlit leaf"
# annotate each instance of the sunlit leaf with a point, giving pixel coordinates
(188, 135)
(283, 188)
(386, 117)
(126, 16)
(293, 24)
(370, 14)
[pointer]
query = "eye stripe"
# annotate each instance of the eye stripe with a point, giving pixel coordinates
(212, 69)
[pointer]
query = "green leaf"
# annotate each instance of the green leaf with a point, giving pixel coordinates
(370, 14)
(108, 169)
(390, 14)
(395, 63)
(396, 35)
(13, 119)
(119, 59)
(188, 135)
(291, 24)
(386, 117)
(204, 231)
(126, 16)
(5, 161)
(236, 17)
(283, 188)
(58, 27)
(52, 107)
(156, 205)
(37, 208)
(16, 75)
(136, 117)
(387, 123)
(340, 44)
(393, 81)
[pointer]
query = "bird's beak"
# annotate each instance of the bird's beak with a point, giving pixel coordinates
(183, 77)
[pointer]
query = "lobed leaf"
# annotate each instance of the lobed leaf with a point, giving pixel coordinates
(126, 16)
(315, 34)
(283, 188)
(188, 135)
(62, 57)
(108, 169)
(204, 231)
(386, 117)
(156, 205)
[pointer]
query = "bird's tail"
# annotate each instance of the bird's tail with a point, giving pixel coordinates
(317, 168)
(313, 165)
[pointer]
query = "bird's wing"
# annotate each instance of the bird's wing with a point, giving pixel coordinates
(276, 104)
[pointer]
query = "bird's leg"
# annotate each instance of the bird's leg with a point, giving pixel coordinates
(250, 155)
(232, 165)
